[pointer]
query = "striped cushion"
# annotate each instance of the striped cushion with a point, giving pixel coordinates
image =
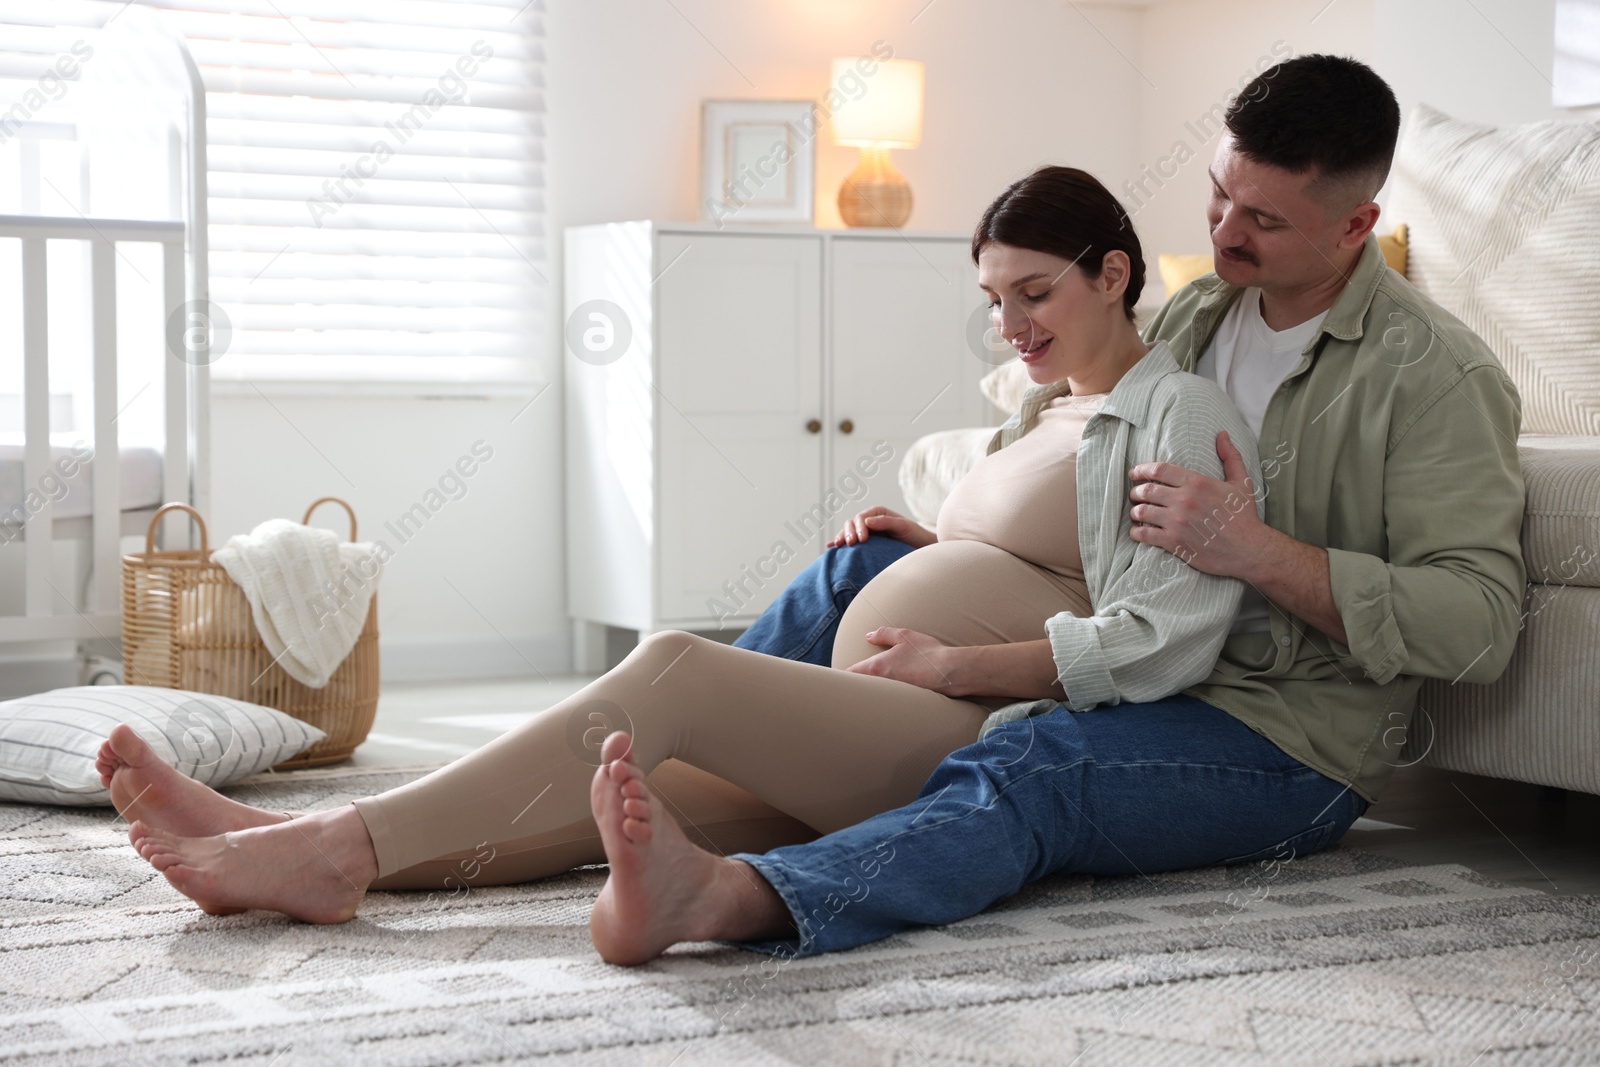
(1503, 227)
(48, 742)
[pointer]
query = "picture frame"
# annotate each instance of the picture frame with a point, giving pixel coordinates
(758, 161)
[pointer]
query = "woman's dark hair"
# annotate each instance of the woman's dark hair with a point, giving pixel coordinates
(1064, 212)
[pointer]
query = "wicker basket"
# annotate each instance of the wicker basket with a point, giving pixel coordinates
(187, 625)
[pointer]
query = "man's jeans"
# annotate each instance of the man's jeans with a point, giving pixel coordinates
(1126, 789)
(801, 623)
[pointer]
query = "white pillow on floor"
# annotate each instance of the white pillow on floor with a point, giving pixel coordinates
(48, 742)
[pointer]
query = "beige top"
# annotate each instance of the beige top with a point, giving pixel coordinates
(1024, 498)
(1008, 553)
(1156, 625)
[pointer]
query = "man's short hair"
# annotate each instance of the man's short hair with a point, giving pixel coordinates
(1325, 113)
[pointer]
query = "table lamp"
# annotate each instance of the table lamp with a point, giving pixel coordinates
(887, 114)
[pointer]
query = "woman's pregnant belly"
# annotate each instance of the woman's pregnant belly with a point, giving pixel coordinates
(961, 592)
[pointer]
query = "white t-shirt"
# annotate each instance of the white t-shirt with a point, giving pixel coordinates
(1250, 360)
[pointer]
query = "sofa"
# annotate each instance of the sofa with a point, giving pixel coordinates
(1502, 229)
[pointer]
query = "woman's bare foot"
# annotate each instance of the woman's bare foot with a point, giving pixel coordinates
(663, 888)
(315, 868)
(144, 788)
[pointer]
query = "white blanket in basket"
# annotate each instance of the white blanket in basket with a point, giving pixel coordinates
(308, 593)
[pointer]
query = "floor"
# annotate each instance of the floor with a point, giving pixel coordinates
(1512, 832)
(1516, 833)
(435, 722)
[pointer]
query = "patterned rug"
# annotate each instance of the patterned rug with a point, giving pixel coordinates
(1332, 959)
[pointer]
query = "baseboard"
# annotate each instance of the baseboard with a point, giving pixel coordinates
(25, 677)
(409, 659)
(399, 660)
(40, 666)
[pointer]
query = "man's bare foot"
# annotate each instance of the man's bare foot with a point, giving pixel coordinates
(663, 888)
(315, 868)
(144, 788)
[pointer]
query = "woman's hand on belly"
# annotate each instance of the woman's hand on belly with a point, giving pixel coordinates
(908, 656)
(1022, 669)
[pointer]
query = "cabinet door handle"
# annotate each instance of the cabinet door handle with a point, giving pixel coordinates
(846, 426)
(814, 426)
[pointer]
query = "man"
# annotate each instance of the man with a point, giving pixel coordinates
(1389, 554)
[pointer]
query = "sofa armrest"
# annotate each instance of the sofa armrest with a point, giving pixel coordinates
(1005, 385)
(1558, 528)
(934, 464)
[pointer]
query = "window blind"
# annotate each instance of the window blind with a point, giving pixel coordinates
(376, 180)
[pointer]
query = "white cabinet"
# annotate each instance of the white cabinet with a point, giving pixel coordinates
(733, 395)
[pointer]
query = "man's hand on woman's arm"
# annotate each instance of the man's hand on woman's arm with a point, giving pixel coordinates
(1023, 669)
(1213, 526)
(880, 520)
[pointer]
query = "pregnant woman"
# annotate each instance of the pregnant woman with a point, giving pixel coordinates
(1032, 590)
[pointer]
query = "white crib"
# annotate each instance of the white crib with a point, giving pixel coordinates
(117, 489)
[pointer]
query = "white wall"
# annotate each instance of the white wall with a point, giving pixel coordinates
(1195, 53)
(479, 588)
(1488, 61)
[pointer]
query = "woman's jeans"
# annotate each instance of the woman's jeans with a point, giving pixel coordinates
(1127, 789)
(800, 624)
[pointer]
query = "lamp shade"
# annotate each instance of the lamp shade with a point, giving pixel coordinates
(882, 109)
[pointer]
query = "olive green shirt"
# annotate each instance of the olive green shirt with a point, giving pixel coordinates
(1393, 445)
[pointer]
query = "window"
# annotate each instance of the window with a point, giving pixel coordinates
(376, 180)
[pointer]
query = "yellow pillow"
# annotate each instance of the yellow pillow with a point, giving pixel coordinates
(1393, 247)
(1179, 271)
